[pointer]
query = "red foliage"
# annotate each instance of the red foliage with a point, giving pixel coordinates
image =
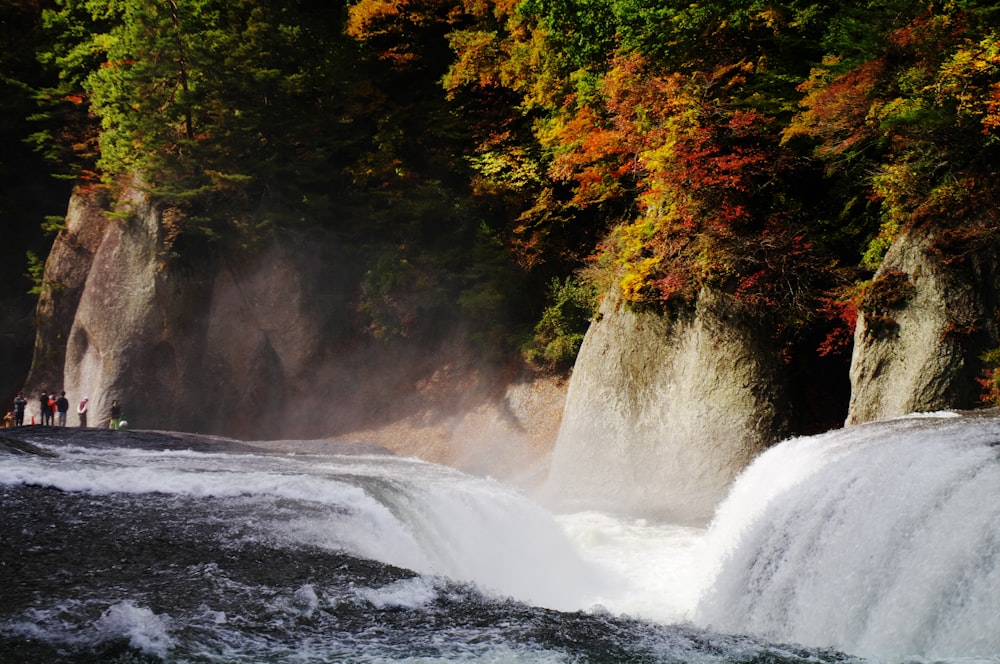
(837, 109)
(598, 158)
(843, 316)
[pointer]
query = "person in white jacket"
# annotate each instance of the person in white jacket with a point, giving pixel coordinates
(81, 410)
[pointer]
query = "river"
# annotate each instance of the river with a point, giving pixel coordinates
(878, 542)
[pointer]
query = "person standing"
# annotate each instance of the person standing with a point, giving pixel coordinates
(51, 412)
(20, 403)
(43, 408)
(116, 414)
(62, 407)
(81, 410)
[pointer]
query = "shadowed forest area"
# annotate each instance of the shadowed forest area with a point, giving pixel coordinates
(500, 165)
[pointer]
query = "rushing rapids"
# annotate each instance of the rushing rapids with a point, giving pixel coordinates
(882, 540)
(879, 541)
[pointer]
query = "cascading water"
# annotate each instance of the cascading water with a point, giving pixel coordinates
(119, 547)
(879, 541)
(401, 512)
(882, 540)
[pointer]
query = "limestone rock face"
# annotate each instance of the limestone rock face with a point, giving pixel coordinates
(662, 414)
(922, 353)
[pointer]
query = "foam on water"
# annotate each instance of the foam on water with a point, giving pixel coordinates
(406, 593)
(145, 630)
(882, 540)
(402, 512)
(661, 565)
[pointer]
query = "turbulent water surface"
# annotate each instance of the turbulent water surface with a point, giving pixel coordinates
(131, 546)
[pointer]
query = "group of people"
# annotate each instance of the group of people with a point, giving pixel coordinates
(54, 409)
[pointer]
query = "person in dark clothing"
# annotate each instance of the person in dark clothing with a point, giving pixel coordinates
(43, 408)
(116, 414)
(20, 403)
(62, 407)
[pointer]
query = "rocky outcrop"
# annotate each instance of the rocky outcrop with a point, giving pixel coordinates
(662, 414)
(66, 270)
(922, 328)
(258, 345)
(132, 324)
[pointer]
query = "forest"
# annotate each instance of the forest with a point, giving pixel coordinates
(504, 163)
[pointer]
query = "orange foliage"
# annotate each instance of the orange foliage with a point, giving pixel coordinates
(594, 156)
(395, 24)
(697, 170)
(837, 107)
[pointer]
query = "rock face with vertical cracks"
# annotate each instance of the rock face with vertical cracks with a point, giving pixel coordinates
(261, 345)
(921, 332)
(66, 271)
(193, 347)
(661, 414)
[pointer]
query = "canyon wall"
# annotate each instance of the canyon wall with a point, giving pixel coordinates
(660, 415)
(66, 270)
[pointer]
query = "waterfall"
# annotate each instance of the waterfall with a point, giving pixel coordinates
(882, 540)
(402, 512)
(876, 540)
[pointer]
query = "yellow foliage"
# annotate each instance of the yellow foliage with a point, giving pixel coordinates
(971, 79)
(363, 16)
(476, 63)
(635, 284)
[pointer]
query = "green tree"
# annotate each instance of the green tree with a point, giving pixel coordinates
(240, 106)
(29, 194)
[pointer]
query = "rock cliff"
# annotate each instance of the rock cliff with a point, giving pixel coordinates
(66, 270)
(256, 345)
(662, 414)
(922, 328)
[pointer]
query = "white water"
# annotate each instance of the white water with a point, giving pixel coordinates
(402, 512)
(661, 566)
(879, 540)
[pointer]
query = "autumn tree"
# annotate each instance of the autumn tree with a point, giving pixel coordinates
(494, 148)
(593, 118)
(914, 123)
